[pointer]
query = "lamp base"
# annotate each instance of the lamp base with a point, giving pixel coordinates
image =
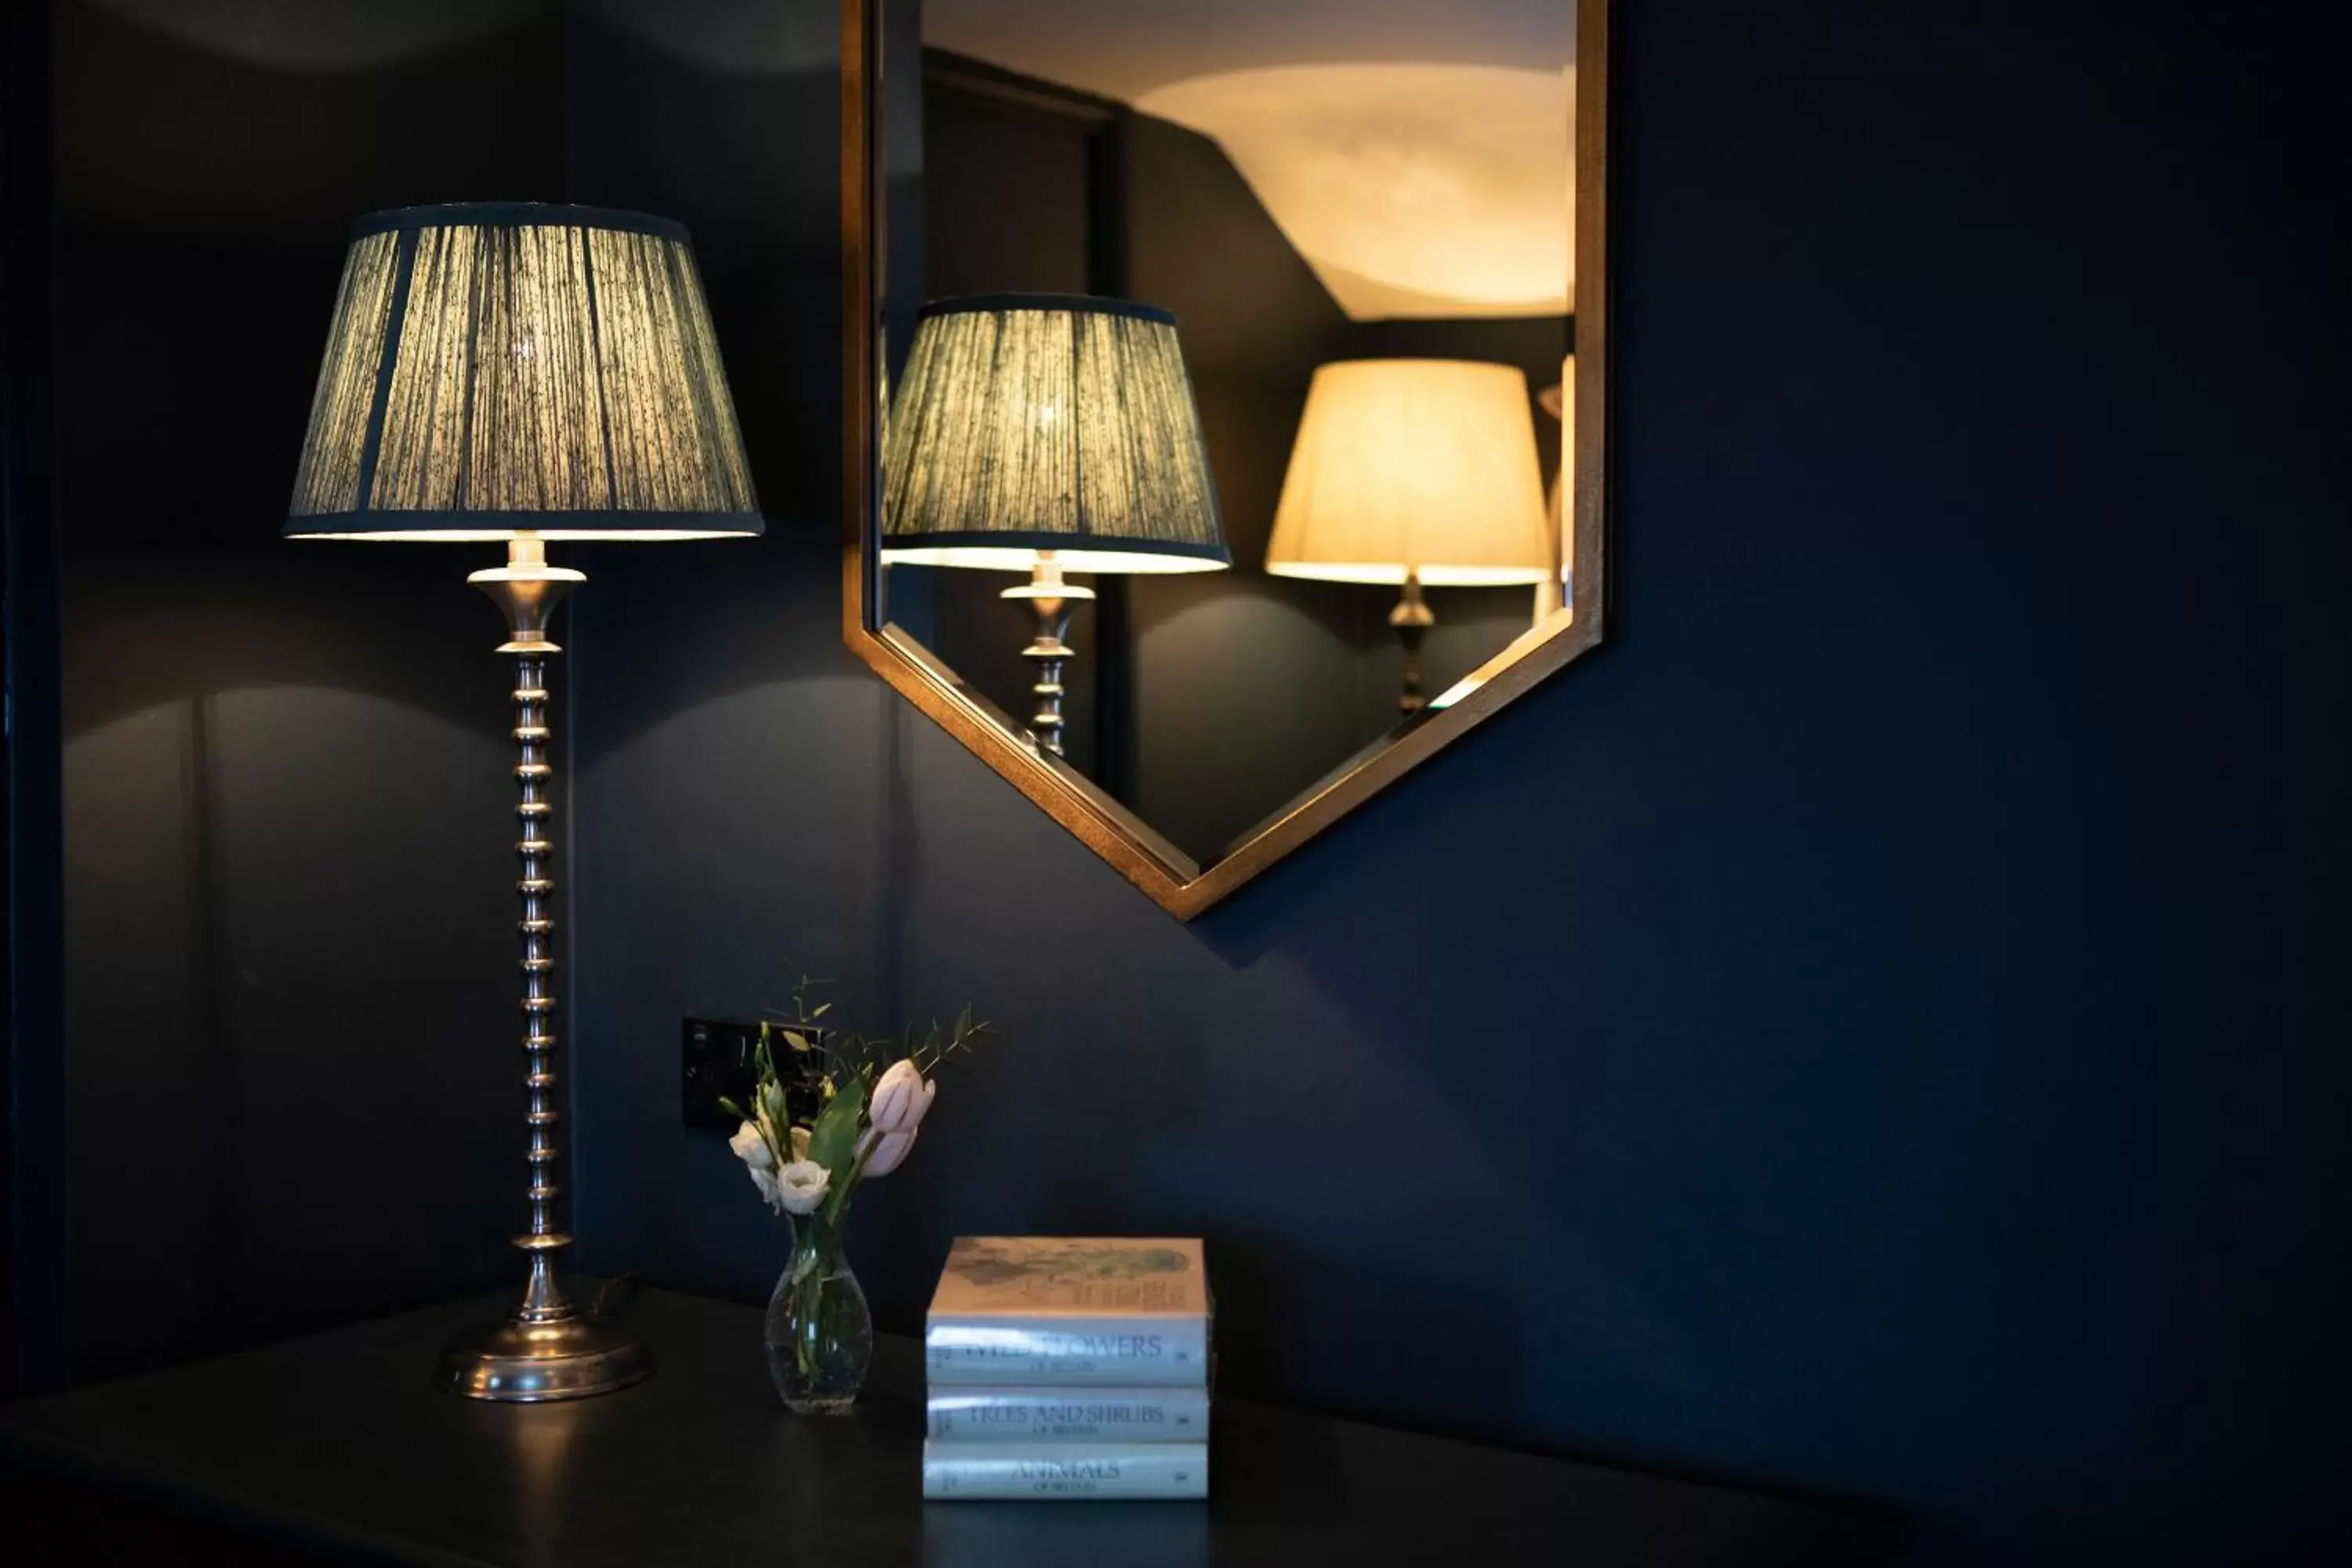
(523, 1363)
(1412, 618)
(1051, 599)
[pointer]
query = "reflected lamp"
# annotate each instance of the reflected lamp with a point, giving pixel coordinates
(1046, 434)
(1417, 473)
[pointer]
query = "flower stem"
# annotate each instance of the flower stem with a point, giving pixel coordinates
(816, 1259)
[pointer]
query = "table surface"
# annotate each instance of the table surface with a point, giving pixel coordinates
(339, 1446)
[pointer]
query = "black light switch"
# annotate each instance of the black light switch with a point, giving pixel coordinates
(716, 1059)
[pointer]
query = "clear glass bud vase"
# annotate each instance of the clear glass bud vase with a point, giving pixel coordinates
(819, 1335)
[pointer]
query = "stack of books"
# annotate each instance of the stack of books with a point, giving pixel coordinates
(1066, 1367)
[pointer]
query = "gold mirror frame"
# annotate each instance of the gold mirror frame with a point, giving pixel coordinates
(1173, 880)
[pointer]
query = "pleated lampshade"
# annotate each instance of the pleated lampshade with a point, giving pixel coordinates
(1027, 423)
(1421, 466)
(497, 369)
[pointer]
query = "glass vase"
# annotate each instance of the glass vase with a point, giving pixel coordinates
(819, 1334)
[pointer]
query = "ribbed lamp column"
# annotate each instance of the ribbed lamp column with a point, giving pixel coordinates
(517, 372)
(1045, 433)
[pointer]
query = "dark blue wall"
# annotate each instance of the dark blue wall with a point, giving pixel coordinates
(284, 963)
(1869, 1029)
(1874, 1027)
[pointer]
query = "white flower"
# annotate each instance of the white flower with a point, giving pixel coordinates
(750, 1146)
(900, 1098)
(885, 1151)
(800, 1186)
(800, 1142)
(766, 1182)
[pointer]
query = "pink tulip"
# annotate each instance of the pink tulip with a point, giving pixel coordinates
(885, 1151)
(900, 1098)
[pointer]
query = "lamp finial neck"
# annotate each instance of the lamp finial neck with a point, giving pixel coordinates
(527, 589)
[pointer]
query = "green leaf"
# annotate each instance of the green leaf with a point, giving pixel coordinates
(832, 1142)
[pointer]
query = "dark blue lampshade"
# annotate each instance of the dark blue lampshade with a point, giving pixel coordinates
(1034, 423)
(496, 370)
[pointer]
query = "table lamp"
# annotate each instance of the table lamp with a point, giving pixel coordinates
(520, 374)
(1417, 472)
(1045, 434)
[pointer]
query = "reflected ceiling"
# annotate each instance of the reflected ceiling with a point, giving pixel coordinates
(1414, 154)
(1412, 190)
(1124, 49)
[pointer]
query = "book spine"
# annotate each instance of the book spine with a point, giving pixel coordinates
(1072, 1472)
(1081, 1415)
(1068, 1353)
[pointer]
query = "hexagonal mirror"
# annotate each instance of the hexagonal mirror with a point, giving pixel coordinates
(1228, 381)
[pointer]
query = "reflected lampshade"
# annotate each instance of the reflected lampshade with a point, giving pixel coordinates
(505, 369)
(1414, 467)
(1032, 423)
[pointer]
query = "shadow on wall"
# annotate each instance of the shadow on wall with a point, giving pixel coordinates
(289, 965)
(282, 989)
(262, 129)
(710, 671)
(762, 81)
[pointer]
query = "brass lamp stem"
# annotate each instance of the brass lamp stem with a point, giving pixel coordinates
(1412, 618)
(1052, 599)
(547, 1348)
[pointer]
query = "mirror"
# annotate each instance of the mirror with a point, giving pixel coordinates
(1235, 436)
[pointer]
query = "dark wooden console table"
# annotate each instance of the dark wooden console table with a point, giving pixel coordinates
(337, 1448)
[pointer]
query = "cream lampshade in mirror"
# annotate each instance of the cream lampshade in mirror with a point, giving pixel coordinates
(514, 374)
(1045, 433)
(1418, 473)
